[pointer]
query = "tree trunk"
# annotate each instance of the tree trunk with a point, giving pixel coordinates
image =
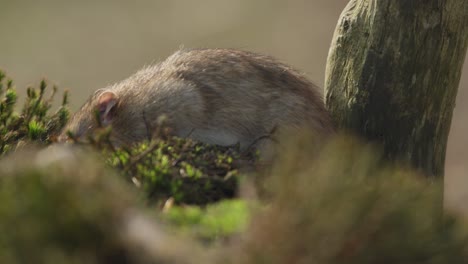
(392, 75)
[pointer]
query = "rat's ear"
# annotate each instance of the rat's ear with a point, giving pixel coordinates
(107, 103)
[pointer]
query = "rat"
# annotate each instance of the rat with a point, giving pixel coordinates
(216, 96)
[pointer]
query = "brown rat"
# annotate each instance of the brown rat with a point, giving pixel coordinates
(217, 96)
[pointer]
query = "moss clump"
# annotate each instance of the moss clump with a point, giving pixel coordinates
(60, 212)
(342, 204)
(34, 123)
(216, 221)
(190, 172)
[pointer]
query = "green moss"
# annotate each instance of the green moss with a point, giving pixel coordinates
(36, 130)
(188, 171)
(34, 123)
(218, 220)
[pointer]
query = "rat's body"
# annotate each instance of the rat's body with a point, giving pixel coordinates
(216, 96)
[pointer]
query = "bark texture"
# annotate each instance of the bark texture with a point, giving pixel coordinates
(393, 72)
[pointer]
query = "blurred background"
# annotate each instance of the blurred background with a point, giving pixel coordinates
(86, 45)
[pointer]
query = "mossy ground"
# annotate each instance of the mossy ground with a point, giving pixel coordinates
(172, 200)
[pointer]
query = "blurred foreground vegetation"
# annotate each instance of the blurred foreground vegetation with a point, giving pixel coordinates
(173, 200)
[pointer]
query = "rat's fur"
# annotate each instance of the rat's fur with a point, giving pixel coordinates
(217, 96)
